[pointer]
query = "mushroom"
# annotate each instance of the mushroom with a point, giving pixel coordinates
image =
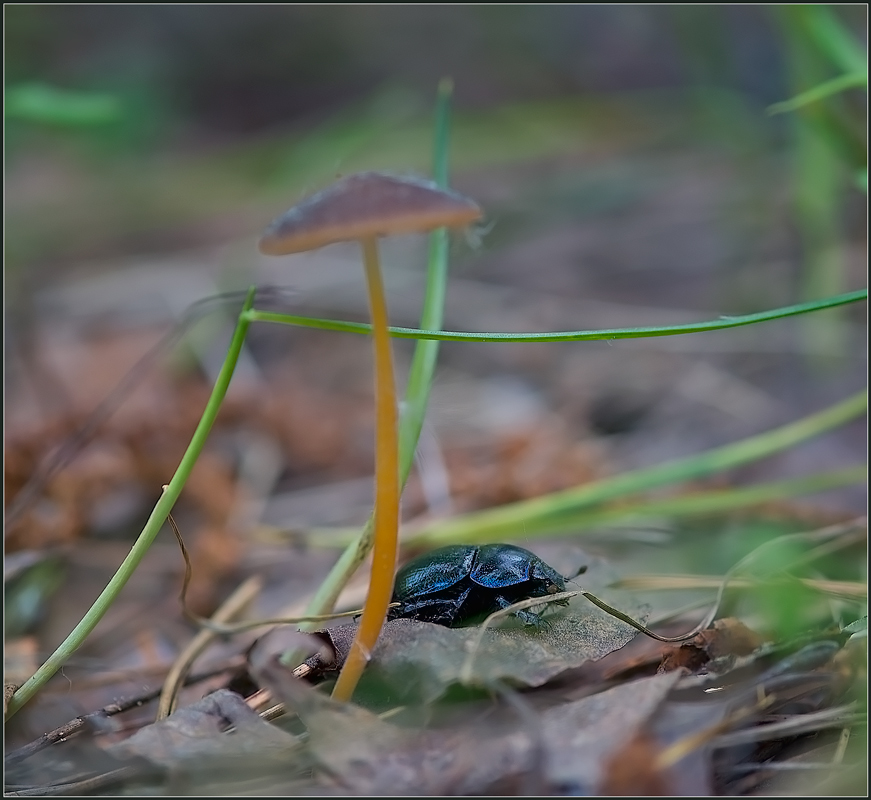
(363, 207)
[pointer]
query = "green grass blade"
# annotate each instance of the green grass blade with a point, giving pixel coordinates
(831, 37)
(820, 92)
(548, 513)
(723, 323)
(827, 145)
(699, 503)
(41, 104)
(426, 352)
(638, 512)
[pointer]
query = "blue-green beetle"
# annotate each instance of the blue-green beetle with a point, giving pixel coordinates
(458, 584)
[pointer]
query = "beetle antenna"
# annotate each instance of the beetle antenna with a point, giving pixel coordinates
(580, 571)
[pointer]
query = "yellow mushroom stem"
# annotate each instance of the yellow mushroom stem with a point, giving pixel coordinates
(386, 485)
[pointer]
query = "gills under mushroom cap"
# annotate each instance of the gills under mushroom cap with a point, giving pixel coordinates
(365, 205)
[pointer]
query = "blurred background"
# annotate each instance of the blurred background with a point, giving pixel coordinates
(631, 175)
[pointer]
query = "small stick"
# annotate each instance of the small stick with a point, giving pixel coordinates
(175, 678)
(77, 725)
(79, 788)
(227, 630)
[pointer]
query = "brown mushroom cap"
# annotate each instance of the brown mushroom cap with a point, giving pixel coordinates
(365, 205)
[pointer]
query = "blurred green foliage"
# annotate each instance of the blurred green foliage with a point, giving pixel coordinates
(40, 104)
(242, 101)
(28, 589)
(830, 145)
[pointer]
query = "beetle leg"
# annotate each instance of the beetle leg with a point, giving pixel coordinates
(438, 610)
(523, 614)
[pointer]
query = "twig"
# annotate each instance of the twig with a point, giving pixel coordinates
(709, 618)
(836, 717)
(779, 766)
(843, 741)
(79, 788)
(77, 725)
(846, 589)
(683, 747)
(174, 679)
(221, 629)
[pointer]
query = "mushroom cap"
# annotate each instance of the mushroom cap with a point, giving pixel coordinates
(365, 205)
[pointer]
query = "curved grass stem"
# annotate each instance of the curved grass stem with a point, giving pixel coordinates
(152, 527)
(723, 323)
(386, 485)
